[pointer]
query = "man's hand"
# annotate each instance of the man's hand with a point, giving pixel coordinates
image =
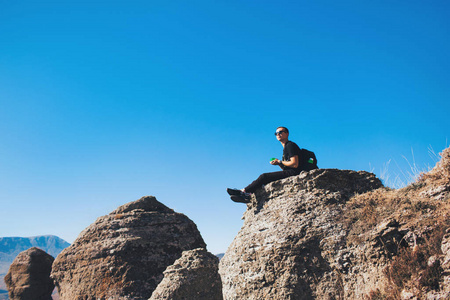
(291, 163)
(275, 162)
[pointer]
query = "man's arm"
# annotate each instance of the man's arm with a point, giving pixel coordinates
(291, 163)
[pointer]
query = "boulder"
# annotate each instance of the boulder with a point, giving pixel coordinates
(28, 277)
(193, 276)
(123, 255)
(292, 244)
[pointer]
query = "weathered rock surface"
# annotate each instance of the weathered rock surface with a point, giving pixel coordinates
(28, 277)
(123, 255)
(193, 276)
(334, 234)
(292, 244)
(444, 260)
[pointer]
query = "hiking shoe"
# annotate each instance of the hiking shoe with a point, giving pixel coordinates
(240, 199)
(232, 192)
(246, 196)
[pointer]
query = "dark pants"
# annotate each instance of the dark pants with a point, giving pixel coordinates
(265, 178)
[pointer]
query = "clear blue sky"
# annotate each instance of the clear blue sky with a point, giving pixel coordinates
(102, 102)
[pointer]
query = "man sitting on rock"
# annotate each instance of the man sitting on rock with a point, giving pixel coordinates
(291, 164)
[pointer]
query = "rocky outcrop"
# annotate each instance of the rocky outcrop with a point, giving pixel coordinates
(192, 276)
(293, 241)
(123, 255)
(335, 234)
(28, 277)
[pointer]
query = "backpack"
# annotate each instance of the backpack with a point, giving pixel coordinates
(307, 160)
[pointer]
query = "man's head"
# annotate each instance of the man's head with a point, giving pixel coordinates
(282, 133)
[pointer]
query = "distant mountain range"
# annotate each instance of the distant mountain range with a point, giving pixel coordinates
(10, 247)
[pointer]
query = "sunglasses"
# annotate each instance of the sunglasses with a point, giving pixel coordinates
(279, 132)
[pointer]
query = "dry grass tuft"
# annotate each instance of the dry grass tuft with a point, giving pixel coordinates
(441, 172)
(118, 216)
(379, 295)
(412, 270)
(417, 210)
(408, 205)
(364, 212)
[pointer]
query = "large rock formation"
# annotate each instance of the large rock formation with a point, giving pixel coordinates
(28, 277)
(192, 276)
(333, 234)
(123, 255)
(292, 237)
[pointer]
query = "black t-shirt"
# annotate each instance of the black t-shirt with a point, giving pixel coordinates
(290, 150)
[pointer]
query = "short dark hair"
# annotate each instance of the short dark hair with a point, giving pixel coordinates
(284, 128)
